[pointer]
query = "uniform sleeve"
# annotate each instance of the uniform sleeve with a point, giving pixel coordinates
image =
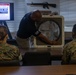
(19, 54)
(66, 55)
(16, 53)
(37, 33)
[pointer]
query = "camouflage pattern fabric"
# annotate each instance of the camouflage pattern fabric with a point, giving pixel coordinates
(9, 52)
(69, 52)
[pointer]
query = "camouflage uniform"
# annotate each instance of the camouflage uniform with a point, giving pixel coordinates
(9, 52)
(69, 52)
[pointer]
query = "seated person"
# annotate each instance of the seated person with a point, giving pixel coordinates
(7, 52)
(69, 50)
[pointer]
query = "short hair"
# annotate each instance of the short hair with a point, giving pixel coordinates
(36, 13)
(3, 32)
(74, 28)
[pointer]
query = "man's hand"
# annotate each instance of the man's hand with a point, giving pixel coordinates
(47, 41)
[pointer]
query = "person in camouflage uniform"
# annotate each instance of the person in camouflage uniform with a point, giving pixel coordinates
(7, 51)
(69, 50)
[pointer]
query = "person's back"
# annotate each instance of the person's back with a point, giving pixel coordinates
(7, 51)
(69, 51)
(27, 28)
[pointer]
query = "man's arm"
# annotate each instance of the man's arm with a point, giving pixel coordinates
(46, 40)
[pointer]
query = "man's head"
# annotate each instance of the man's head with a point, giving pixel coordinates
(3, 32)
(74, 31)
(36, 15)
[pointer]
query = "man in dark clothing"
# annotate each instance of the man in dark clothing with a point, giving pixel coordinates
(27, 28)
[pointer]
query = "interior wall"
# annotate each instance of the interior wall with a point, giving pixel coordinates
(33, 7)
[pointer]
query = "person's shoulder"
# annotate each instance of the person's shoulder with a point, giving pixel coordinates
(12, 47)
(73, 42)
(26, 17)
(69, 45)
(28, 14)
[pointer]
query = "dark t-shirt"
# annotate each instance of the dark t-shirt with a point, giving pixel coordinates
(27, 27)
